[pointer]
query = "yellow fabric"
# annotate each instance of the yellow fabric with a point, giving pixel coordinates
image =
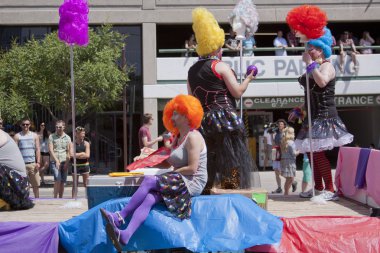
(125, 174)
(4, 205)
(208, 34)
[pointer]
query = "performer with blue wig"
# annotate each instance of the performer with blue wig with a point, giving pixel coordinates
(328, 130)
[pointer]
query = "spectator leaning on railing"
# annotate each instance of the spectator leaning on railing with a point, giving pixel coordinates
(347, 47)
(366, 41)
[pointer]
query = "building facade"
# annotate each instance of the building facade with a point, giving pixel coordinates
(159, 78)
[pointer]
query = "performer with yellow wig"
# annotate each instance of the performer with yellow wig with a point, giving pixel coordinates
(214, 83)
(182, 116)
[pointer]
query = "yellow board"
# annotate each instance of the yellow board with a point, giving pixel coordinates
(249, 193)
(125, 174)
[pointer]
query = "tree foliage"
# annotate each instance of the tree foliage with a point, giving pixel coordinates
(39, 72)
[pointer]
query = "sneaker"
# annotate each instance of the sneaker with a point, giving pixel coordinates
(278, 190)
(307, 194)
(294, 186)
(327, 195)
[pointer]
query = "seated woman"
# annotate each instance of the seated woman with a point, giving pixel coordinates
(14, 189)
(182, 116)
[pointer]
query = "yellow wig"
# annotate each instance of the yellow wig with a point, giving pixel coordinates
(185, 105)
(208, 34)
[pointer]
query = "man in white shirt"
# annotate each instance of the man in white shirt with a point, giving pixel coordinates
(280, 43)
(267, 147)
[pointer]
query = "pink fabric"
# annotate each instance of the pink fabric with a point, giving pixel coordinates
(346, 170)
(373, 175)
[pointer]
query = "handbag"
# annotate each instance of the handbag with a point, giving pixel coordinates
(276, 153)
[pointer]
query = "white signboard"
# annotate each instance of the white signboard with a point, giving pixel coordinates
(283, 67)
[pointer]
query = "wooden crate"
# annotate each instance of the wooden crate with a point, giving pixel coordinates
(260, 195)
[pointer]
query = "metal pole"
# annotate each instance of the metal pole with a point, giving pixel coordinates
(125, 139)
(241, 77)
(75, 186)
(310, 129)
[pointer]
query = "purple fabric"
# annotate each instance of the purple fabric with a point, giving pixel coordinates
(29, 237)
(73, 22)
(361, 170)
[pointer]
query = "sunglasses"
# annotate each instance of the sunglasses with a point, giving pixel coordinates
(25, 124)
(79, 129)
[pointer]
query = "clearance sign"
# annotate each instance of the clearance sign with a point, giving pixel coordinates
(291, 102)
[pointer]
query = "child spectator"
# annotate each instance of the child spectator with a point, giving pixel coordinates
(306, 177)
(288, 158)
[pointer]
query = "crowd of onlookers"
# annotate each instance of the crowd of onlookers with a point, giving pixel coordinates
(346, 42)
(44, 152)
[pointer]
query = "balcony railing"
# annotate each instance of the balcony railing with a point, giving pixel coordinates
(262, 49)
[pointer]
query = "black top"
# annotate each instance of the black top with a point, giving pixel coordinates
(79, 149)
(322, 99)
(208, 86)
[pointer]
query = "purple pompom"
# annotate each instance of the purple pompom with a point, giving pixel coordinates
(73, 24)
(252, 68)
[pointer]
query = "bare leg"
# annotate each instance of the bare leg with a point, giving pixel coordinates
(354, 60)
(57, 185)
(85, 178)
(278, 178)
(304, 186)
(61, 189)
(36, 192)
(288, 183)
(341, 63)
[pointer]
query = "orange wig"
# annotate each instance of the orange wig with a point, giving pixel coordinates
(308, 20)
(186, 105)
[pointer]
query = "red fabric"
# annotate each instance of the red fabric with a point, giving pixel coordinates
(327, 234)
(330, 234)
(213, 64)
(152, 160)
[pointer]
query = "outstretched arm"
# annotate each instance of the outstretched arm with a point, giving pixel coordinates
(229, 78)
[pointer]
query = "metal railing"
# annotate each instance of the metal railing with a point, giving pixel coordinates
(259, 49)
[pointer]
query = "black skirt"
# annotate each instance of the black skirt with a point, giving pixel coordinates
(224, 133)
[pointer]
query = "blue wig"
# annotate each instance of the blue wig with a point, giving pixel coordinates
(324, 42)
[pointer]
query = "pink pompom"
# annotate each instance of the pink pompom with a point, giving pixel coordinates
(73, 24)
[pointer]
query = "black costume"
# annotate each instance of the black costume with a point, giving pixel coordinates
(222, 128)
(328, 130)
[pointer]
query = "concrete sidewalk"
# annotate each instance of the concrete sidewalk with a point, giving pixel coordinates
(268, 182)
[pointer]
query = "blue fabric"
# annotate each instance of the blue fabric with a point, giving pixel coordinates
(361, 169)
(218, 223)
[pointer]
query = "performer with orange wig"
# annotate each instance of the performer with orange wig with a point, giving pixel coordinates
(182, 116)
(323, 129)
(214, 83)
